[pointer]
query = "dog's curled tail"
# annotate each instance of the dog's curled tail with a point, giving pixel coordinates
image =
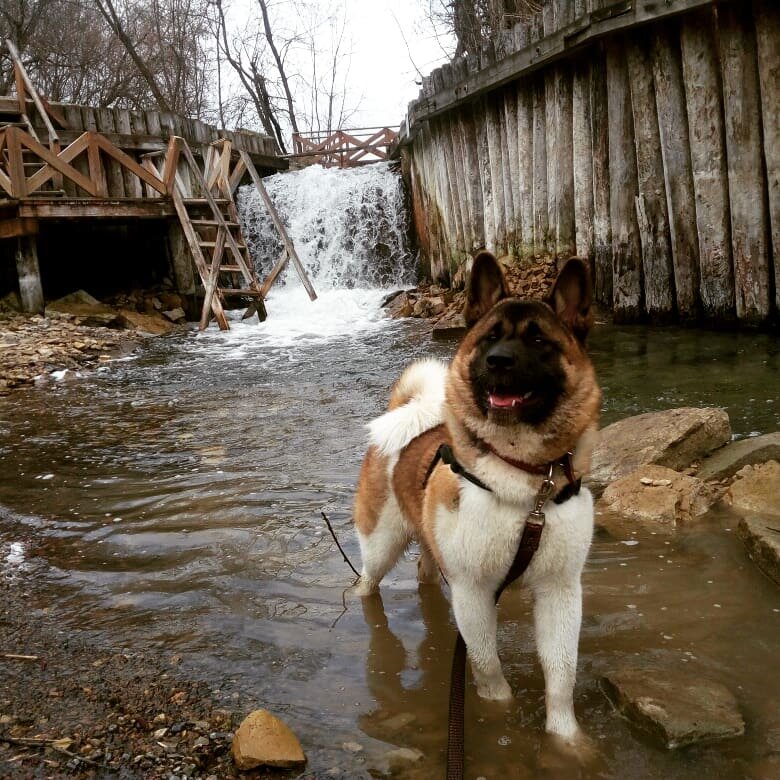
(415, 407)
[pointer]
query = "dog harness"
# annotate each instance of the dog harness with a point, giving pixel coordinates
(529, 544)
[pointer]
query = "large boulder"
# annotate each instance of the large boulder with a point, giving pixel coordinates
(657, 494)
(762, 542)
(155, 324)
(674, 438)
(676, 708)
(756, 490)
(264, 740)
(727, 461)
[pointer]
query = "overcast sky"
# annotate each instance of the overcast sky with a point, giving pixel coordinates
(382, 70)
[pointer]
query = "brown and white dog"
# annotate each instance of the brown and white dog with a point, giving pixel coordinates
(519, 394)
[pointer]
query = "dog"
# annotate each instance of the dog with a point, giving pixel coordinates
(519, 394)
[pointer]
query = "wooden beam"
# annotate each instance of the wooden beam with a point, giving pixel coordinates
(15, 162)
(89, 208)
(129, 163)
(275, 271)
(18, 226)
(57, 162)
(277, 220)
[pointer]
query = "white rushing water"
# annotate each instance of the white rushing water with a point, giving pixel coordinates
(349, 228)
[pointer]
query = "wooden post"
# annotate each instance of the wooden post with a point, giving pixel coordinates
(29, 274)
(524, 190)
(114, 179)
(496, 162)
(747, 184)
(767, 22)
(651, 206)
(473, 186)
(602, 231)
(708, 163)
(485, 176)
(541, 224)
(582, 151)
(678, 176)
(626, 250)
(181, 268)
(509, 145)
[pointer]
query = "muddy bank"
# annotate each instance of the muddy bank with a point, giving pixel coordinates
(78, 332)
(70, 707)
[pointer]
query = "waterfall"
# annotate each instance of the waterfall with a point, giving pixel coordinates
(349, 226)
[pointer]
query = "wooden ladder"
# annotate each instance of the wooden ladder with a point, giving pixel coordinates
(213, 231)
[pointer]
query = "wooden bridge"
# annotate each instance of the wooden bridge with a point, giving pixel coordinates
(344, 148)
(67, 162)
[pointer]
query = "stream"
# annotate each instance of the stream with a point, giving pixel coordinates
(173, 498)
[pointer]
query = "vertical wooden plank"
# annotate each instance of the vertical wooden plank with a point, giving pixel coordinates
(602, 230)
(492, 124)
(73, 116)
(473, 183)
(485, 176)
(462, 176)
(524, 190)
(767, 22)
(678, 176)
(582, 152)
(153, 126)
(138, 122)
(114, 179)
(512, 167)
(15, 162)
(96, 171)
(747, 183)
(88, 118)
(651, 205)
(122, 121)
(708, 163)
(626, 251)
(541, 223)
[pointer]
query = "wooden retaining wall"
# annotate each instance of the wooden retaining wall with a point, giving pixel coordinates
(642, 135)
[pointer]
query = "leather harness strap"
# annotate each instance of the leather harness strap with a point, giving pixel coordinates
(529, 544)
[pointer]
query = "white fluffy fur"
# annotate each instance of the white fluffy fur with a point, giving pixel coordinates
(421, 386)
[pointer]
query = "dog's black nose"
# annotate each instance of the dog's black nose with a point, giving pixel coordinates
(500, 357)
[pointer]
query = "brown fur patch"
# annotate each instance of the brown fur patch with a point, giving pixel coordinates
(372, 491)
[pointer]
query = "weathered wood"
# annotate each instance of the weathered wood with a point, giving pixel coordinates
(114, 178)
(708, 164)
(747, 183)
(65, 208)
(181, 261)
(278, 224)
(473, 184)
(461, 182)
(678, 175)
(495, 153)
(15, 163)
(582, 156)
(525, 167)
(511, 169)
(273, 275)
(16, 226)
(29, 275)
(652, 217)
(626, 251)
(485, 175)
(767, 25)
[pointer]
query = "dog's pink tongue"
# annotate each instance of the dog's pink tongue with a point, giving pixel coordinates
(504, 401)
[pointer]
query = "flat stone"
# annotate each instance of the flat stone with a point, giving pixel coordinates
(400, 305)
(146, 323)
(264, 740)
(175, 315)
(756, 490)
(95, 315)
(762, 541)
(674, 438)
(676, 708)
(728, 460)
(78, 297)
(657, 494)
(450, 326)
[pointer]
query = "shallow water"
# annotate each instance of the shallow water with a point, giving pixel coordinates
(175, 500)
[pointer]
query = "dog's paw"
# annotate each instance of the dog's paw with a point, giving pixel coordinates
(494, 690)
(576, 745)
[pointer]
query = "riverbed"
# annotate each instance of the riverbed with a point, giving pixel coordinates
(172, 505)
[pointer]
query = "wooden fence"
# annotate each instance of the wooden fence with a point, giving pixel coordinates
(643, 135)
(344, 148)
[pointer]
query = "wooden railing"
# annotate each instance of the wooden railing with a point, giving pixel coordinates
(345, 148)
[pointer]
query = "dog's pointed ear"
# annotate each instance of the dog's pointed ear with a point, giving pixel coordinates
(572, 296)
(487, 286)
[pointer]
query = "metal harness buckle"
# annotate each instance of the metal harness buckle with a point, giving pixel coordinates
(536, 516)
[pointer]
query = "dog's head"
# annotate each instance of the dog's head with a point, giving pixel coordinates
(522, 365)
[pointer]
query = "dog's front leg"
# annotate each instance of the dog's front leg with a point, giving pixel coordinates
(557, 616)
(475, 614)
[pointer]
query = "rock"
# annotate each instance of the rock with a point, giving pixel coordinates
(436, 306)
(400, 305)
(146, 323)
(658, 494)
(264, 740)
(675, 708)
(77, 297)
(421, 308)
(10, 302)
(450, 326)
(763, 545)
(403, 756)
(673, 438)
(756, 490)
(175, 315)
(95, 315)
(728, 460)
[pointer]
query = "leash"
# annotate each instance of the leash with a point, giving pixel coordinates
(335, 539)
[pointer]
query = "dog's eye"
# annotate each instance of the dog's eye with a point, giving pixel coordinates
(494, 334)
